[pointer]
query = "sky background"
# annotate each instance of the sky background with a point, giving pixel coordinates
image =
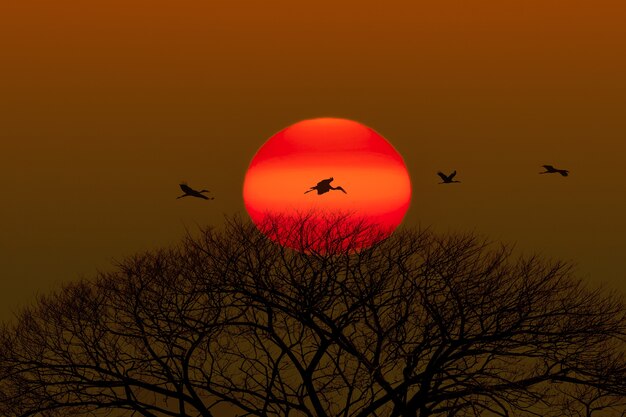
(106, 106)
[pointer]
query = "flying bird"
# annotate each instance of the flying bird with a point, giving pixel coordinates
(447, 179)
(324, 186)
(552, 170)
(193, 193)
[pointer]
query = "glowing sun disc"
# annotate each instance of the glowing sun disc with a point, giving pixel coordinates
(295, 159)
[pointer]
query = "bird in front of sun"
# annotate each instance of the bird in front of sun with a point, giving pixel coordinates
(552, 170)
(190, 192)
(324, 186)
(447, 179)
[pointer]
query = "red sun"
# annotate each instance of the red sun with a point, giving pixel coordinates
(361, 161)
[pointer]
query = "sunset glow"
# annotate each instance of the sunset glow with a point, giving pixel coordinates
(359, 159)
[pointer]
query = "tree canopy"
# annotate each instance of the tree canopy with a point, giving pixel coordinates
(230, 323)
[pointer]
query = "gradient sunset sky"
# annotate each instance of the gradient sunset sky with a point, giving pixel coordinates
(106, 106)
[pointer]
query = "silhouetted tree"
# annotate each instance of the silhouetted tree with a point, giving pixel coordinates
(589, 401)
(230, 323)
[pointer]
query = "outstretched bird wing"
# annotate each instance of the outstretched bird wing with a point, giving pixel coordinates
(324, 183)
(452, 175)
(186, 188)
(548, 167)
(443, 176)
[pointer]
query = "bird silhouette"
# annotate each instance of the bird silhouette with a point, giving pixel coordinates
(324, 186)
(552, 170)
(447, 179)
(193, 193)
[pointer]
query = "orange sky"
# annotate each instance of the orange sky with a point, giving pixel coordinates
(106, 106)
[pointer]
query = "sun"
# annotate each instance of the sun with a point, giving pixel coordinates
(353, 156)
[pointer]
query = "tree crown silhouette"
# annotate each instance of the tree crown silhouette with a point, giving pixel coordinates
(230, 323)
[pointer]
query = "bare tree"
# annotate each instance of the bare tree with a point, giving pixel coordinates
(589, 401)
(230, 323)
